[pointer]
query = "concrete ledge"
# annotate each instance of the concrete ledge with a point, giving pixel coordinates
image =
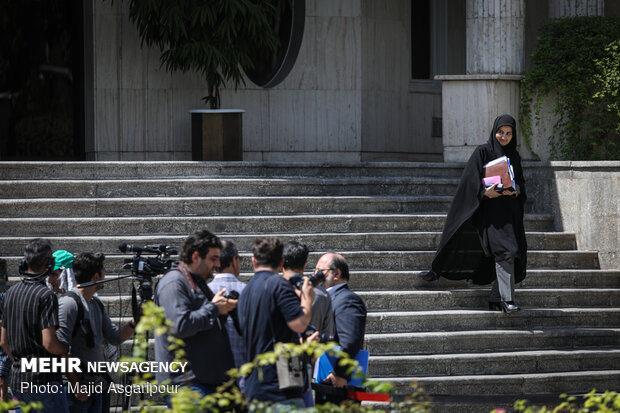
(482, 76)
(583, 198)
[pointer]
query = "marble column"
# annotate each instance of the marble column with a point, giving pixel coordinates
(495, 31)
(495, 36)
(569, 8)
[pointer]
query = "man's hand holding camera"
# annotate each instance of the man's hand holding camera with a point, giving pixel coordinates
(307, 291)
(224, 304)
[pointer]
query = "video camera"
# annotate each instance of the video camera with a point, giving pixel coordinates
(315, 279)
(141, 266)
(145, 268)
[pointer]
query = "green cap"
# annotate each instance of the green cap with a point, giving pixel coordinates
(63, 259)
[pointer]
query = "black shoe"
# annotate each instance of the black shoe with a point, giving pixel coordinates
(510, 307)
(495, 306)
(429, 276)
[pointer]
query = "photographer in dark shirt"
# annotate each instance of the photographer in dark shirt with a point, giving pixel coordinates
(269, 312)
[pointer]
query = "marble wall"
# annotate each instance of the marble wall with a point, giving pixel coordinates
(396, 122)
(582, 196)
(562, 8)
(470, 105)
(315, 114)
(346, 99)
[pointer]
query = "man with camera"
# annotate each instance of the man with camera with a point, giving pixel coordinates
(227, 277)
(269, 312)
(198, 315)
(295, 258)
(85, 324)
(349, 314)
(30, 319)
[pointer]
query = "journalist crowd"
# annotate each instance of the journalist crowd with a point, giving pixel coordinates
(54, 311)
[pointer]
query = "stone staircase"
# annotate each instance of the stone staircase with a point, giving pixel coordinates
(386, 219)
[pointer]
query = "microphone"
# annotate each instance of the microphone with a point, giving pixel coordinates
(124, 247)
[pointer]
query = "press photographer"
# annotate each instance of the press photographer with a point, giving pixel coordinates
(295, 258)
(198, 316)
(270, 311)
(85, 324)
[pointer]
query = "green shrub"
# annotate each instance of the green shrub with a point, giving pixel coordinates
(608, 402)
(577, 60)
(153, 321)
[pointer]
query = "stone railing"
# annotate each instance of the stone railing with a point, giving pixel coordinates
(584, 198)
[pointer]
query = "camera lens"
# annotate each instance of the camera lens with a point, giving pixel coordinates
(232, 294)
(317, 278)
(310, 330)
(297, 280)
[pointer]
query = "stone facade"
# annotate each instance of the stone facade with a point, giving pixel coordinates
(470, 104)
(349, 97)
(582, 196)
(495, 60)
(346, 99)
(500, 33)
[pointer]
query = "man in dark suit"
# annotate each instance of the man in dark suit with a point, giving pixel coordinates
(349, 313)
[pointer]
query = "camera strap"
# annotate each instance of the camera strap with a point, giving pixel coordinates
(289, 369)
(185, 272)
(201, 285)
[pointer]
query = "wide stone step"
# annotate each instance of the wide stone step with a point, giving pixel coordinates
(513, 362)
(476, 341)
(216, 206)
(386, 301)
(226, 187)
(476, 363)
(463, 320)
(375, 241)
(474, 320)
(478, 298)
(409, 280)
(549, 278)
(455, 342)
(447, 342)
(383, 260)
(131, 226)
(575, 382)
(162, 169)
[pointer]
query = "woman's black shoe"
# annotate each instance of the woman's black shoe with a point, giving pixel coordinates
(510, 307)
(429, 276)
(495, 306)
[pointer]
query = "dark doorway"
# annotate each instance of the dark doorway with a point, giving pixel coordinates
(41, 80)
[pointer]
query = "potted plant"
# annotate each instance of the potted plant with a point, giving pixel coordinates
(219, 39)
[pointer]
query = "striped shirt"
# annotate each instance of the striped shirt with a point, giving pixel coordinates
(5, 362)
(237, 345)
(29, 307)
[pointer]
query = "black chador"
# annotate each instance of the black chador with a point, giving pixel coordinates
(478, 231)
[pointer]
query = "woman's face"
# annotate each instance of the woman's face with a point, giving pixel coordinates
(504, 135)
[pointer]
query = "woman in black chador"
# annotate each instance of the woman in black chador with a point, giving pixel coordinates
(483, 238)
